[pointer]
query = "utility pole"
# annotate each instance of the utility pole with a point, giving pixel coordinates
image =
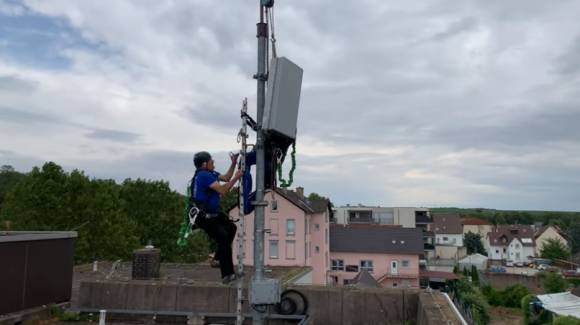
(261, 77)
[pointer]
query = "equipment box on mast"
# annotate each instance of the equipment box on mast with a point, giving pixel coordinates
(282, 98)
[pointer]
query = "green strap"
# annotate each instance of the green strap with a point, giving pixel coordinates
(283, 182)
(185, 228)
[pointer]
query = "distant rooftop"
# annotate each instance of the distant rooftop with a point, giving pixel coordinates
(376, 239)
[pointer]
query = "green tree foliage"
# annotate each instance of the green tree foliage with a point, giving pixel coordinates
(474, 275)
(554, 282)
(472, 298)
(8, 179)
(508, 297)
(465, 272)
(533, 316)
(554, 249)
(474, 244)
(566, 320)
(574, 235)
(111, 219)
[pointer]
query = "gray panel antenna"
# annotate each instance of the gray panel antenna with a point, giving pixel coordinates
(282, 97)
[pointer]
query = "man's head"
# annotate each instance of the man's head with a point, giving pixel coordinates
(203, 160)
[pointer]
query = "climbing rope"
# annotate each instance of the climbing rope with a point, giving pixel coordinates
(283, 182)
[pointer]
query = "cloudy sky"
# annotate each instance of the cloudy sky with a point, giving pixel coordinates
(404, 103)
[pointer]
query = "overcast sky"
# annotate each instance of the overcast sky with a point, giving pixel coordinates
(404, 103)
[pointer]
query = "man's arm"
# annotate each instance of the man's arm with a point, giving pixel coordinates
(228, 175)
(224, 188)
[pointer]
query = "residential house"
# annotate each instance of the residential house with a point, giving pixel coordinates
(512, 242)
(543, 234)
(403, 216)
(297, 233)
(390, 254)
(476, 226)
(448, 236)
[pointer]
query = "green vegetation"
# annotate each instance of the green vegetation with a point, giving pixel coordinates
(8, 179)
(508, 297)
(474, 244)
(534, 318)
(554, 249)
(474, 275)
(554, 282)
(566, 320)
(111, 219)
(472, 298)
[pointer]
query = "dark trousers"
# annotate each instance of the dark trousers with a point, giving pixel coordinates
(223, 231)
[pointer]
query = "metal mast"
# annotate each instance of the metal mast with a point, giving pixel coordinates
(261, 77)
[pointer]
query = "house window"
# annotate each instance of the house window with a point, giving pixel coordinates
(274, 227)
(290, 227)
(326, 235)
(274, 206)
(404, 263)
(316, 227)
(309, 250)
(445, 238)
(317, 249)
(504, 250)
(273, 249)
(366, 265)
(497, 251)
(351, 268)
(394, 284)
(290, 249)
(517, 246)
(326, 260)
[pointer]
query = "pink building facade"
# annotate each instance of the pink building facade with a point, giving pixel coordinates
(298, 233)
(389, 254)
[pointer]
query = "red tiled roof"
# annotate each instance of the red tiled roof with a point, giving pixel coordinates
(474, 222)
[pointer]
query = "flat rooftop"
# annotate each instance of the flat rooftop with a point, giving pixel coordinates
(170, 273)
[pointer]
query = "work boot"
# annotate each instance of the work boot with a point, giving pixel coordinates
(229, 279)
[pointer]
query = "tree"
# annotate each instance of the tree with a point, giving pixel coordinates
(474, 275)
(8, 179)
(554, 249)
(474, 244)
(317, 197)
(554, 282)
(574, 235)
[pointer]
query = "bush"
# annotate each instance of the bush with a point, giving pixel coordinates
(554, 282)
(479, 307)
(532, 315)
(509, 297)
(566, 320)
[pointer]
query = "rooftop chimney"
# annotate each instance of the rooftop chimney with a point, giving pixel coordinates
(300, 191)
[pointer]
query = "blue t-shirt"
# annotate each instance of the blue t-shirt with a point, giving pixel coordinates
(201, 191)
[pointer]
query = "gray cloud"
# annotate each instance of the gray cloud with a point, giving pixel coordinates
(456, 28)
(16, 83)
(568, 64)
(23, 117)
(113, 135)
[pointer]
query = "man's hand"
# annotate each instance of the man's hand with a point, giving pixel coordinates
(239, 174)
(234, 157)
